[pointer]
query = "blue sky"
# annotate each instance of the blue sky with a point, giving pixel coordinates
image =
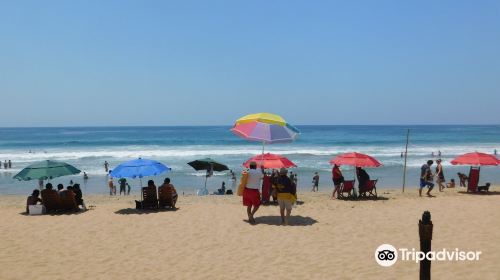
(85, 63)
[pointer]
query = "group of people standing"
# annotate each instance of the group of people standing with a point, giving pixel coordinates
(124, 186)
(283, 190)
(7, 164)
(427, 177)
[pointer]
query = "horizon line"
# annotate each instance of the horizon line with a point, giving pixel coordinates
(225, 125)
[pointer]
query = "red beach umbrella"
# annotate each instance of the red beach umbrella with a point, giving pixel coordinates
(476, 159)
(269, 160)
(355, 159)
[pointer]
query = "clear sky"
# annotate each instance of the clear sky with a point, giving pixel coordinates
(86, 63)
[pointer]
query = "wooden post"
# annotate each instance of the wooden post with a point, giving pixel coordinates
(425, 233)
(406, 156)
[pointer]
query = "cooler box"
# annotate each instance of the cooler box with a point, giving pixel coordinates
(37, 209)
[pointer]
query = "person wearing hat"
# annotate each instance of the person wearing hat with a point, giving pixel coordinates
(251, 194)
(287, 194)
(440, 175)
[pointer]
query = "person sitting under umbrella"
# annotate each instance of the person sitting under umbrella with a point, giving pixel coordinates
(33, 199)
(363, 178)
(168, 191)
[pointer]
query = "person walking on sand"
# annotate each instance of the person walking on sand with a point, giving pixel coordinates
(287, 195)
(106, 166)
(315, 182)
(251, 195)
(426, 178)
(440, 175)
(337, 178)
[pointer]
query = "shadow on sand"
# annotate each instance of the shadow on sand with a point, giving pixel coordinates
(365, 198)
(480, 193)
(133, 211)
(294, 220)
(55, 213)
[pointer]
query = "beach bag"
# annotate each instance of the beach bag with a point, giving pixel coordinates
(243, 183)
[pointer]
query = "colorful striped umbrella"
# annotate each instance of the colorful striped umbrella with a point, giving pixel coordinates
(266, 128)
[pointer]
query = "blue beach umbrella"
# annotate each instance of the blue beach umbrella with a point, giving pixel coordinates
(139, 168)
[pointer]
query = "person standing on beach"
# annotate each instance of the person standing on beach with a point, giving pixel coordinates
(106, 166)
(426, 178)
(123, 185)
(5, 164)
(440, 175)
(287, 195)
(10, 164)
(315, 182)
(337, 178)
(251, 195)
(111, 185)
(495, 152)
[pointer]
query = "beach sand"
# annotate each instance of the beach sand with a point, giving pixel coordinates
(207, 238)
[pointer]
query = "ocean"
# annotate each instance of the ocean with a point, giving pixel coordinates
(88, 147)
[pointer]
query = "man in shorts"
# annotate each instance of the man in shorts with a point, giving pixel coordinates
(426, 178)
(287, 194)
(251, 194)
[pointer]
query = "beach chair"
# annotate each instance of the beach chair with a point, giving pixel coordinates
(51, 201)
(346, 187)
(165, 198)
(473, 180)
(370, 190)
(149, 198)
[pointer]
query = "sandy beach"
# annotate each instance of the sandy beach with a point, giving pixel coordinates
(207, 238)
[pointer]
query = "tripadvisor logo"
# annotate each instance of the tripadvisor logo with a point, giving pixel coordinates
(387, 255)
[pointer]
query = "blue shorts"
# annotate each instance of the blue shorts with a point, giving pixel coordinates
(424, 183)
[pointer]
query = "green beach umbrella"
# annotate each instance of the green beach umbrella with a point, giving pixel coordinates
(46, 169)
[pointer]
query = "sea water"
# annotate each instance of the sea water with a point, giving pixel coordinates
(88, 147)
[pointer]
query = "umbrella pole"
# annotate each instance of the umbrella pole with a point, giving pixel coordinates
(262, 158)
(354, 187)
(142, 195)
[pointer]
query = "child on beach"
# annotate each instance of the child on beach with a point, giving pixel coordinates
(315, 182)
(111, 185)
(451, 184)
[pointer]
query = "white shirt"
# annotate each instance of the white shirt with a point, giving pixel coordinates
(254, 177)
